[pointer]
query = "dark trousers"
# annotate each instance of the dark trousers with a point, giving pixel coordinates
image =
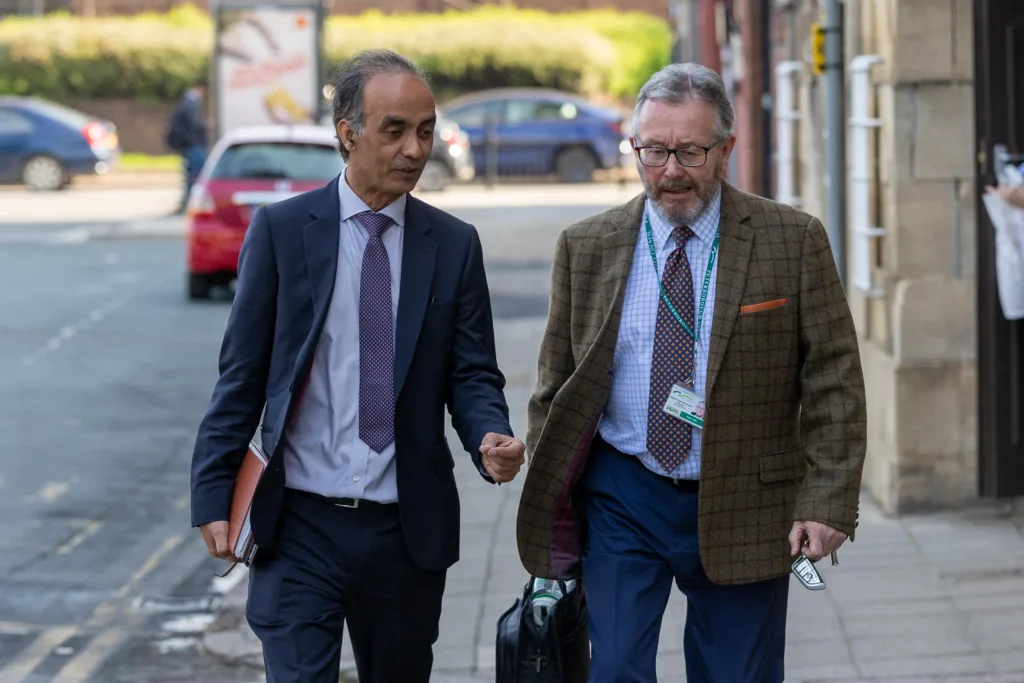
(333, 565)
(642, 534)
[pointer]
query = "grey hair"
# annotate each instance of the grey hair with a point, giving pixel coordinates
(348, 83)
(678, 83)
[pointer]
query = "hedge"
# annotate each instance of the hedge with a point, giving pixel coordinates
(155, 56)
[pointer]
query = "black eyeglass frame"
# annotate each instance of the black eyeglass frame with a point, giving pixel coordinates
(675, 153)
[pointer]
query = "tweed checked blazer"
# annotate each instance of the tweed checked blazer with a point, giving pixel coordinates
(785, 431)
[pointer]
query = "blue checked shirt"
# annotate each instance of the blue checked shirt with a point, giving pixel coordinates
(624, 423)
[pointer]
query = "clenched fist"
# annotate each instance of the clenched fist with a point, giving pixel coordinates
(215, 534)
(502, 456)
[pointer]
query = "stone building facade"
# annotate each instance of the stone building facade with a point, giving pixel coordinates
(918, 329)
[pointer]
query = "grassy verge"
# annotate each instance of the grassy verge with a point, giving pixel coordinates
(132, 161)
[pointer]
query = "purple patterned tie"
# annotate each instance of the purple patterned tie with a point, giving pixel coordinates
(668, 438)
(376, 339)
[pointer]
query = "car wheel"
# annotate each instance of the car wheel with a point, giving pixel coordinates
(435, 176)
(575, 165)
(43, 174)
(199, 285)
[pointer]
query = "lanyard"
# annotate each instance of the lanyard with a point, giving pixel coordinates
(704, 289)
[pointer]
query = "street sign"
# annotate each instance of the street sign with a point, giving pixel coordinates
(818, 48)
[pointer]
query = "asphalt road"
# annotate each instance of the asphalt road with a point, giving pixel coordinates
(106, 371)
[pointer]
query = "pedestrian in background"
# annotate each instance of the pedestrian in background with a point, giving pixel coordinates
(361, 314)
(699, 414)
(187, 136)
(1014, 196)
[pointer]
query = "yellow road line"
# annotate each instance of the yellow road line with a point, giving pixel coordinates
(151, 563)
(83, 665)
(89, 527)
(29, 658)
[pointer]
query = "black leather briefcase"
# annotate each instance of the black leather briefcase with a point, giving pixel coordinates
(556, 651)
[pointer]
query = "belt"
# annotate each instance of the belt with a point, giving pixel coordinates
(690, 485)
(340, 502)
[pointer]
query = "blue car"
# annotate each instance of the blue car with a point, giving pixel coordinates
(43, 145)
(540, 132)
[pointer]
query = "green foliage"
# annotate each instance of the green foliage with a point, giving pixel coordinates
(155, 56)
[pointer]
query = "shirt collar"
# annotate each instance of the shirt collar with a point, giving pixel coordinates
(705, 227)
(351, 204)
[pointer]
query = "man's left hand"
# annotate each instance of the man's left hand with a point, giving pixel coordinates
(821, 539)
(502, 456)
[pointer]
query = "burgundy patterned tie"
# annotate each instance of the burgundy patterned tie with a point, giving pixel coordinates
(376, 339)
(669, 438)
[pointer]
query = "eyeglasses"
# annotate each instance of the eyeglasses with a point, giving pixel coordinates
(690, 156)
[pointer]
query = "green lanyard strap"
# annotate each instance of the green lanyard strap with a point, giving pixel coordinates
(704, 289)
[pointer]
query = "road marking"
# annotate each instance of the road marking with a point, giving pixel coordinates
(14, 628)
(83, 665)
(151, 563)
(52, 490)
(89, 527)
(68, 332)
(29, 658)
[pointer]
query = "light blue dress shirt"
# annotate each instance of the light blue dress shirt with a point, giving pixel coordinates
(322, 449)
(624, 423)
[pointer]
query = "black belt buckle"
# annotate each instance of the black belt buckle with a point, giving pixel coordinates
(691, 485)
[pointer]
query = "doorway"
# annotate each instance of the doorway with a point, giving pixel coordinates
(999, 106)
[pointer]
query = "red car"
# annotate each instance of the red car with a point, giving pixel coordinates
(248, 168)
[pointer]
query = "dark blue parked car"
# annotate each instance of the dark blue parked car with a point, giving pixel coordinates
(539, 132)
(44, 145)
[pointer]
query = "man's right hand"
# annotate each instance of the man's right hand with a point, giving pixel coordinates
(215, 535)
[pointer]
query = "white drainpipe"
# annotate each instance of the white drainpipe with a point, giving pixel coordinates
(863, 232)
(786, 116)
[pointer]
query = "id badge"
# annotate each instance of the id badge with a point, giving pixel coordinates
(685, 404)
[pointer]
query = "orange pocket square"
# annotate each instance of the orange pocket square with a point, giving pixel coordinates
(763, 306)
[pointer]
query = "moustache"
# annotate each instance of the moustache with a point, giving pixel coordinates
(678, 187)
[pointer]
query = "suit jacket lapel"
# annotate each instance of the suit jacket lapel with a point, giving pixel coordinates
(735, 243)
(320, 241)
(419, 253)
(617, 249)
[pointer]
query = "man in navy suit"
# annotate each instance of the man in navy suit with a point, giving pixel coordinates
(359, 315)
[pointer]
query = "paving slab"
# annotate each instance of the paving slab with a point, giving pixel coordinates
(933, 598)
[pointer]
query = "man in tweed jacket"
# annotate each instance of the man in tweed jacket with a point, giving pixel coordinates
(694, 301)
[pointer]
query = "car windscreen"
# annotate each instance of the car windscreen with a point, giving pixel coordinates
(278, 161)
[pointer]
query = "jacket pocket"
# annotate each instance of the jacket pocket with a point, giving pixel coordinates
(782, 465)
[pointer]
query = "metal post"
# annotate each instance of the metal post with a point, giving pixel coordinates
(491, 152)
(836, 143)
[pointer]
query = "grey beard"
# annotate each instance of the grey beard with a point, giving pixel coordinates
(687, 217)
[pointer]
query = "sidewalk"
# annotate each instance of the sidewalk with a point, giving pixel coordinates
(930, 598)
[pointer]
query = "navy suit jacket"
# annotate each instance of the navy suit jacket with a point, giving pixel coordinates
(444, 356)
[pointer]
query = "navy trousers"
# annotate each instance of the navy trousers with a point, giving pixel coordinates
(333, 565)
(642, 534)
